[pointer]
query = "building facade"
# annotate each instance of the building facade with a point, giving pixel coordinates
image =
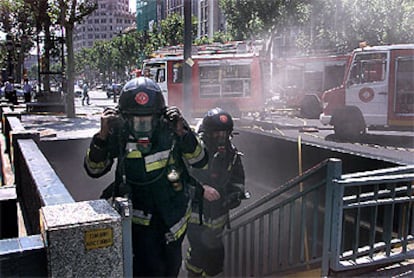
(149, 13)
(210, 18)
(108, 21)
(209, 15)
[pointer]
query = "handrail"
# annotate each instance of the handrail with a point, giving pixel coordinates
(285, 231)
(283, 188)
(323, 219)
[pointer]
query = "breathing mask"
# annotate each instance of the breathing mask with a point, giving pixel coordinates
(141, 127)
(218, 140)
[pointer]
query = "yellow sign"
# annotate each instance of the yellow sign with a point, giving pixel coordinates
(99, 238)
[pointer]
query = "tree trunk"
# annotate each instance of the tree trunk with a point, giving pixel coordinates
(70, 73)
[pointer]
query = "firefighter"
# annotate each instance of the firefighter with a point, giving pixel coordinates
(152, 144)
(223, 184)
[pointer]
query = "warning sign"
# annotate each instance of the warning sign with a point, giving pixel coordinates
(98, 238)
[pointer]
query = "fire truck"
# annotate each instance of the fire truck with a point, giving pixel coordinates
(377, 92)
(300, 81)
(220, 78)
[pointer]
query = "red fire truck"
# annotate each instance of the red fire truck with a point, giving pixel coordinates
(300, 81)
(231, 81)
(378, 92)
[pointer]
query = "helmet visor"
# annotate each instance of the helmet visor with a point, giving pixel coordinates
(141, 124)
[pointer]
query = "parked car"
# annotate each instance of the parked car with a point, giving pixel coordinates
(113, 87)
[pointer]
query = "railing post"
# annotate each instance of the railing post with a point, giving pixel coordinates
(124, 208)
(334, 172)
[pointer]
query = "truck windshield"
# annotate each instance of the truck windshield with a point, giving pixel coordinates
(155, 71)
(368, 68)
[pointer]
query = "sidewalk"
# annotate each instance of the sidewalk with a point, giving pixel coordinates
(84, 125)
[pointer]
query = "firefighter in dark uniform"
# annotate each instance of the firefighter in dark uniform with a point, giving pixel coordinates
(223, 184)
(152, 144)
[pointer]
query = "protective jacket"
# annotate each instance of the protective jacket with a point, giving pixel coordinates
(155, 199)
(225, 173)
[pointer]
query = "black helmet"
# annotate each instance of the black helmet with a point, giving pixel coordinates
(217, 119)
(141, 96)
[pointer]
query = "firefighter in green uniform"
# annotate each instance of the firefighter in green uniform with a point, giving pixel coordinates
(153, 145)
(223, 184)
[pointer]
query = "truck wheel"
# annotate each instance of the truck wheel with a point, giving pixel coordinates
(348, 123)
(310, 107)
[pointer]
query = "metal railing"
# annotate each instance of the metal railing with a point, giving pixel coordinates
(373, 219)
(325, 220)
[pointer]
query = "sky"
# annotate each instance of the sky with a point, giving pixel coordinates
(132, 5)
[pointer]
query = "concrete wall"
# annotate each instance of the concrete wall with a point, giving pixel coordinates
(66, 158)
(269, 162)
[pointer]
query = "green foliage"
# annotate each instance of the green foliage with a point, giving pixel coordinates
(172, 30)
(341, 25)
(222, 37)
(248, 19)
(126, 52)
(203, 40)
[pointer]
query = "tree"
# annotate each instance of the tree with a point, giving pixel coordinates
(16, 20)
(69, 12)
(248, 19)
(341, 25)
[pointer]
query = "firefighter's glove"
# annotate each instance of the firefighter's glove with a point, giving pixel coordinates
(175, 120)
(110, 123)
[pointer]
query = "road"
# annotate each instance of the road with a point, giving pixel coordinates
(385, 145)
(394, 146)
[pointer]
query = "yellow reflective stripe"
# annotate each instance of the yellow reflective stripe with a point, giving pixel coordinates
(139, 221)
(193, 268)
(156, 161)
(139, 217)
(157, 156)
(96, 167)
(134, 154)
(195, 156)
(210, 223)
(179, 228)
(156, 165)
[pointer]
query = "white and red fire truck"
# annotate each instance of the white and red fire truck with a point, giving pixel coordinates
(300, 81)
(220, 78)
(378, 92)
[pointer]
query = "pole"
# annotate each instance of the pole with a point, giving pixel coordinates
(187, 60)
(39, 80)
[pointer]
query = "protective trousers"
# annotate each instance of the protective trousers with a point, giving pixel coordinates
(152, 255)
(206, 254)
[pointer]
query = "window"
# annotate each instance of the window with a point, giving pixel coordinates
(404, 88)
(368, 68)
(224, 80)
(177, 72)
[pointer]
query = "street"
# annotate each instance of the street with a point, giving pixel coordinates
(98, 102)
